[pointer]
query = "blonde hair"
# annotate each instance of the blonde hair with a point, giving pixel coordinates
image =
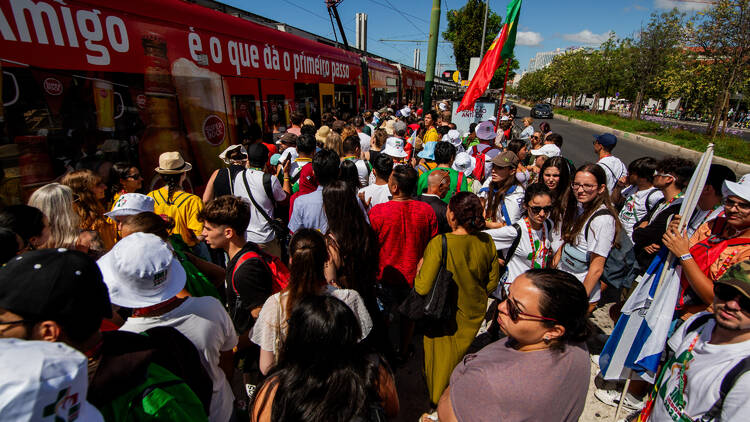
(334, 143)
(89, 208)
(56, 202)
(348, 131)
(528, 120)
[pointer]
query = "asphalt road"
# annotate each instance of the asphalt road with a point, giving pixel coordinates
(578, 142)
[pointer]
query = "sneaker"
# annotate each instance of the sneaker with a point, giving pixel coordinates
(612, 398)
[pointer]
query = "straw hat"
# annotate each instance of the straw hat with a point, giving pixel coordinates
(172, 163)
(322, 133)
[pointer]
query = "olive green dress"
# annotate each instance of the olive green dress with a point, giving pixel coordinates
(473, 261)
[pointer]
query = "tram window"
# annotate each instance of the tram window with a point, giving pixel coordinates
(306, 99)
(247, 116)
(277, 111)
(345, 95)
(327, 105)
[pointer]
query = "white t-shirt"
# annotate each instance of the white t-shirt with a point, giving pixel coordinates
(513, 201)
(207, 325)
(288, 154)
(601, 235)
(377, 193)
(259, 231)
(364, 141)
(521, 259)
(614, 169)
(272, 317)
(635, 207)
(363, 172)
(706, 369)
(527, 132)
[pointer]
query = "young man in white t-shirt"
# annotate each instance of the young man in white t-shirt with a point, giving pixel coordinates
(352, 151)
(640, 196)
(704, 353)
(142, 273)
(613, 167)
(266, 191)
(378, 192)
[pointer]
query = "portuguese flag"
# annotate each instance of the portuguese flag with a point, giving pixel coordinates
(501, 49)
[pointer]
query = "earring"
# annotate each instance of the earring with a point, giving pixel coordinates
(546, 340)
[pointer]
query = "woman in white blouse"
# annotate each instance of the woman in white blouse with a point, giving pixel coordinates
(308, 254)
(589, 230)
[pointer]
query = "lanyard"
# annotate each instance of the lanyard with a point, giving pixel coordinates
(302, 160)
(535, 252)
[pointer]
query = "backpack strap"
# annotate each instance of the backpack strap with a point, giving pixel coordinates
(593, 216)
(514, 245)
(246, 256)
(648, 196)
(503, 208)
(726, 386)
(459, 180)
(250, 194)
(444, 250)
(267, 187)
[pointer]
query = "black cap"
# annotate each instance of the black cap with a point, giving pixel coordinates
(257, 155)
(54, 284)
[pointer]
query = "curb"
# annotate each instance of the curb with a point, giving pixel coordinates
(737, 167)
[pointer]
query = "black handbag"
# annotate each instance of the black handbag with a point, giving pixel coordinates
(439, 303)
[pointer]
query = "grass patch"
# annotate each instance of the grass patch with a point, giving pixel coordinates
(727, 146)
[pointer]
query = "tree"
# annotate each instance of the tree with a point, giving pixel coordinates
(465, 32)
(499, 77)
(721, 35)
(648, 55)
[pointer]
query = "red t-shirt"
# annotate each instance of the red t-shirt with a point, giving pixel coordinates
(307, 183)
(403, 228)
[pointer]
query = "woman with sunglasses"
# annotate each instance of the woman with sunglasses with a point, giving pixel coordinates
(124, 178)
(472, 259)
(541, 370)
(589, 230)
(531, 235)
(713, 248)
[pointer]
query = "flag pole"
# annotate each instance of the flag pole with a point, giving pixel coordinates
(624, 392)
(502, 97)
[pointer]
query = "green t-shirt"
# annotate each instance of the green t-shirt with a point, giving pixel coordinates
(422, 184)
(161, 397)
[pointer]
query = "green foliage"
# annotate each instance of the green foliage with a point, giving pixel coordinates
(465, 32)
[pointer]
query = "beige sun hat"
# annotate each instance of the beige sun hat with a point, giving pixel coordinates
(322, 133)
(172, 163)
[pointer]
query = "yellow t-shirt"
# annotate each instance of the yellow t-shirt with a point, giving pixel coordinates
(183, 209)
(431, 136)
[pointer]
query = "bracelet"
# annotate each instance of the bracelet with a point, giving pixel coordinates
(287, 178)
(686, 257)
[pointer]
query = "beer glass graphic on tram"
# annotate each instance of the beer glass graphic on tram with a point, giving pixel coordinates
(3, 104)
(104, 100)
(201, 95)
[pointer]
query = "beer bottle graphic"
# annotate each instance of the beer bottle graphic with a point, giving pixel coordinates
(162, 133)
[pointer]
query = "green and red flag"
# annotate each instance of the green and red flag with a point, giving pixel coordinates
(501, 49)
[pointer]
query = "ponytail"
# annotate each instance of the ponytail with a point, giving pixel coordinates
(308, 255)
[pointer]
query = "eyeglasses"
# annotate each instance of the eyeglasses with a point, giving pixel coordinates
(537, 210)
(514, 313)
(534, 137)
(726, 293)
(743, 206)
(656, 173)
(135, 176)
(586, 187)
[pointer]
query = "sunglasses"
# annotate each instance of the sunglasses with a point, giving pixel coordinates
(135, 176)
(726, 293)
(537, 210)
(514, 313)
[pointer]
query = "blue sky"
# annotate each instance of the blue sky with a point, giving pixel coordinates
(544, 25)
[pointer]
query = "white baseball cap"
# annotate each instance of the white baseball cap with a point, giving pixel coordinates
(453, 136)
(48, 381)
(442, 106)
(485, 131)
(549, 150)
(394, 147)
(504, 118)
(406, 112)
(131, 204)
(492, 118)
(140, 271)
(464, 163)
(739, 188)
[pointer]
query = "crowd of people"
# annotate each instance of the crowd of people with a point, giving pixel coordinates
(290, 276)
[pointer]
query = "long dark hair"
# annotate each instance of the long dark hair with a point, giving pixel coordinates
(355, 240)
(564, 299)
(307, 255)
(573, 224)
(497, 192)
(349, 173)
(532, 191)
(118, 172)
(322, 374)
(467, 210)
(562, 197)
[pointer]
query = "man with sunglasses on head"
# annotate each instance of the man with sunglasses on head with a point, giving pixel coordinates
(706, 377)
(438, 183)
(671, 177)
(714, 247)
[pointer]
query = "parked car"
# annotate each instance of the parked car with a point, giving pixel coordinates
(542, 111)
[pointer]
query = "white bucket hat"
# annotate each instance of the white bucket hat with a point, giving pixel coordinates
(223, 155)
(394, 147)
(406, 111)
(131, 204)
(739, 188)
(464, 163)
(549, 150)
(454, 137)
(140, 271)
(48, 381)
(485, 131)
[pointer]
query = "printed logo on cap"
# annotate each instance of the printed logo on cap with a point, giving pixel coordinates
(160, 277)
(121, 202)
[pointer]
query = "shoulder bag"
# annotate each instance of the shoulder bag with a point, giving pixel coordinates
(435, 306)
(279, 228)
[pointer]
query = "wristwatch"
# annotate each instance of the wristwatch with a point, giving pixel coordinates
(686, 257)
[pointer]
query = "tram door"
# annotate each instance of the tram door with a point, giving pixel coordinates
(326, 98)
(277, 103)
(246, 105)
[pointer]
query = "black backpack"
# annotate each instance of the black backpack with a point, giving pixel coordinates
(618, 268)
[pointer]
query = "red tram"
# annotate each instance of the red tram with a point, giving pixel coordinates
(125, 81)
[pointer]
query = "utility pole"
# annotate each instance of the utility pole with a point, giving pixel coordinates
(429, 76)
(331, 5)
(484, 27)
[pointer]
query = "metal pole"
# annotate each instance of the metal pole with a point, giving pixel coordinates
(429, 76)
(502, 97)
(484, 27)
(341, 27)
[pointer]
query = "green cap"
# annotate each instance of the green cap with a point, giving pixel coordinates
(738, 276)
